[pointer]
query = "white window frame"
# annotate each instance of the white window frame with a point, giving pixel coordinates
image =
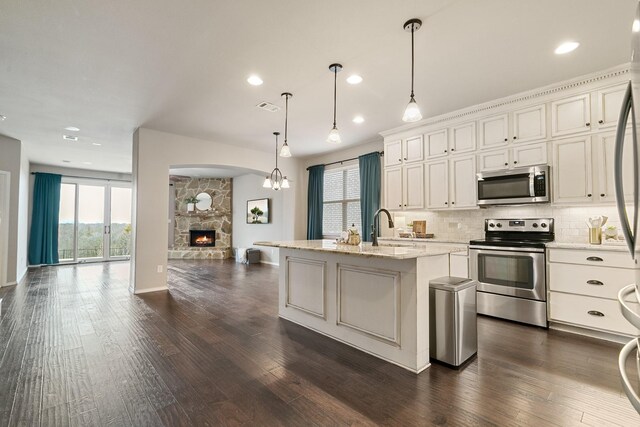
(344, 202)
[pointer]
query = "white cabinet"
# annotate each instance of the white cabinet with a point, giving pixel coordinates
(463, 138)
(404, 187)
(494, 131)
(609, 105)
(451, 183)
(571, 115)
(572, 177)
(398, 152)
(437, 185)
(437, 143)
(605, 145)
(462, 179)
(529, 124)
(509, 158)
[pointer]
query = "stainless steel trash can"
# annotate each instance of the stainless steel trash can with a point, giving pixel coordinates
(453, 333)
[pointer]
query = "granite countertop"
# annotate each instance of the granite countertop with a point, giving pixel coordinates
(605, 246)
(422, 240)
(365, 250)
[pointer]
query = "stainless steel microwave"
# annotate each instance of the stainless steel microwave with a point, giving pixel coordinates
(514, 187)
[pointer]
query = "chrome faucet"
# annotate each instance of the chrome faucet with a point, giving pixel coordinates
(374, 229)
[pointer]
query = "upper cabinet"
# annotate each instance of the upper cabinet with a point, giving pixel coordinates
(437, 143)
(609, 105)
(463, 138)
(529, 124)
(403, 151)
(604, 164)
(572, 174)
(571, 115)
(494, 131)
(451, 183)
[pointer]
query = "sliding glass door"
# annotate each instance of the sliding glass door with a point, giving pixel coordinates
(95, 221)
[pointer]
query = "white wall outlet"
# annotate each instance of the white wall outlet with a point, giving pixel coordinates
(159, 268)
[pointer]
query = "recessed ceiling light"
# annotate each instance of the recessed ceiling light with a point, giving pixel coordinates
(358, 119)
(636, 26)
(2, 118)
(254, 80)
(97, 144)
(86, 163)
(70, 137)
(72, 129)
(566, 47)
(354, 79)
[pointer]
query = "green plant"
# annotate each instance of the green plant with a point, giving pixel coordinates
(257, 213)
(192, 199)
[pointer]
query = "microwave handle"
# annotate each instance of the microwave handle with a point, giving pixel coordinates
(532, 190)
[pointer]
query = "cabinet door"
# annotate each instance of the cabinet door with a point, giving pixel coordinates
(494, 131)
(413, 149)
(462, 182)
(393, 153)
(393, 188)
(413, 186)
(529, 155)
(609, 104)
(437, 143)
(571, 115)
(572, 178)
(437, 185)
(493, 160)
(529, 124)
(604, 164)
(463, 138)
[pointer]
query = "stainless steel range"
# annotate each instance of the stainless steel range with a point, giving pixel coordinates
(510, 267)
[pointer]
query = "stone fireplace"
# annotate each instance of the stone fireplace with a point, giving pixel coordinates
(202, 234)
(202, 238)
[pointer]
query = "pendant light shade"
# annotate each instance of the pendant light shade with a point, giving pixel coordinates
(276, 180)
(412, 112)
(285, 151)
(334, 136)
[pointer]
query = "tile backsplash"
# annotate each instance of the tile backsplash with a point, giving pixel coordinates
(465, 225)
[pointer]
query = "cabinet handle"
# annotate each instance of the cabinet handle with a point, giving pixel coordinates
(405, 158)
(445, 151)
(589, 195)
(446, 203)
(405, 205)
(595, 283)
(515, 162)
(595, 313)
(506, 139)
(515, 137)
(400, 205)
(506, 164)
(399, 160)
(453, 149)
(602, 194)
(594, 259)
(601, 121)
(587, 124)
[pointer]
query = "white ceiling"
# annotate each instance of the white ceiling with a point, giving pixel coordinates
(109, 67)
(209, 172)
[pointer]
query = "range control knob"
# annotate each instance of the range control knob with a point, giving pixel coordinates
(499, 225)
(491, 225)
(535, 225)
(543, 225)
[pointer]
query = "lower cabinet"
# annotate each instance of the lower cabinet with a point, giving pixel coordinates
(583, 289)
(451, 183)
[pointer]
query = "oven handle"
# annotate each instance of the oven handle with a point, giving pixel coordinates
(506, 249)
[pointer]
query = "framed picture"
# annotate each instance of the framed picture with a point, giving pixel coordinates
(258, 211)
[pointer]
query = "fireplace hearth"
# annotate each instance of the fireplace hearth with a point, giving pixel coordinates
(202, 238)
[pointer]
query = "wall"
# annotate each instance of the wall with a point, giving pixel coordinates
(154, 152)
(249, 187)
(12, 160)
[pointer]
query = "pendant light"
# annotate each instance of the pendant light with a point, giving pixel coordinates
(334, 136)
(276, 180)
(412, 112)
(285, 152)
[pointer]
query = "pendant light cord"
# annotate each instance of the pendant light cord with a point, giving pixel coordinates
(335, 93)
(286, 119)
(276, 151)
(412, 29)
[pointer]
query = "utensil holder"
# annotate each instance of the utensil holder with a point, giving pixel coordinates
(595, 236)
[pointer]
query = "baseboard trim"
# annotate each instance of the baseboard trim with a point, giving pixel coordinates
(591, 333)
(9, 284)
(146, 291)
(270, 263)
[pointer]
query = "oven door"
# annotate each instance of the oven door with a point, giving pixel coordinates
(518, 272)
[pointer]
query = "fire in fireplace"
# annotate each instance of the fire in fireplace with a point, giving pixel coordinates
(202, 238)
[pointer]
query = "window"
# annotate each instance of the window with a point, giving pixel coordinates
(341, 204)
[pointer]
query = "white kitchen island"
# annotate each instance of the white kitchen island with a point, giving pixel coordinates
(375, 299)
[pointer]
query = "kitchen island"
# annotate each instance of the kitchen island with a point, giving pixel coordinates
(374, 298)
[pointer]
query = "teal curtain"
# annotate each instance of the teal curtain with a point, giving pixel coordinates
(369, 191)
(43, 240)
(315, 197)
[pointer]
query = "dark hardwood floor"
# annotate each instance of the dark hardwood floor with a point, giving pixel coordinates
(77, 349)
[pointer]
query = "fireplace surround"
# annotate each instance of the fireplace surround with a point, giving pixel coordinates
(202, 238)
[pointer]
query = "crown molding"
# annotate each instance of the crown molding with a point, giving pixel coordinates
(496, 104)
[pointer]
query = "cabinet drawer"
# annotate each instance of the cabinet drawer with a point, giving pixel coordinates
(575, 309)
(603, 282)
(592, 257)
